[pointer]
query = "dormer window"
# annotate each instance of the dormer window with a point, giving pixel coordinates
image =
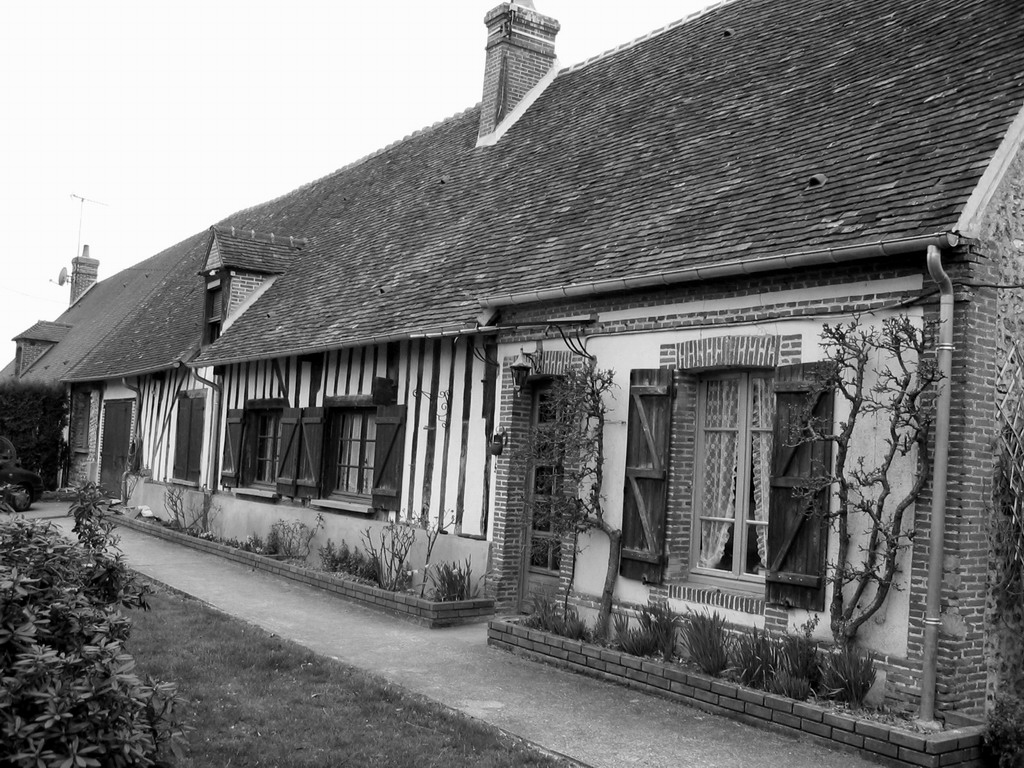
(214, 311)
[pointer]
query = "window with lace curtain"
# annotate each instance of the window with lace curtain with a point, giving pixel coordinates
(733, 470)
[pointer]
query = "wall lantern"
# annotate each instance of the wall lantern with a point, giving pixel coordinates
(496, 446)
(520, 369)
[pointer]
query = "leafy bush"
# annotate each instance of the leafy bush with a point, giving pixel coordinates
(655, 632)
(344, 560)
(757, 658)
(70, 696)
(33, 417)
(292, 538)
(786, 683)
(847, 675)
(452, 581)
(547, 616)
(798, 656)
(1004, 738)
(707, 642)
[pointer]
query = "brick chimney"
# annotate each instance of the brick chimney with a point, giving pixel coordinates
(520, 51)
(84, 272)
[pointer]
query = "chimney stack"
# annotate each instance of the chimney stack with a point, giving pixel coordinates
(84, 272)
(520, 51)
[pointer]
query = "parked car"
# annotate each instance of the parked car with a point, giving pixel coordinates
(27, 486)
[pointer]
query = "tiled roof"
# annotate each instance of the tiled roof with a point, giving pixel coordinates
(95, 315)
(44, 331)
(161, 327)
(254, 251)
(693, 146)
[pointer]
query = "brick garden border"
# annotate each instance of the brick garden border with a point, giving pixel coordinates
(876, 741)
(428, 613)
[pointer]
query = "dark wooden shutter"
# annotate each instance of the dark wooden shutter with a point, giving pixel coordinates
(646, 491)
(288, 452)
(197, 414)
(181, 435)
(310, 453)
(231, 465)
(797, 523)
(389, 455)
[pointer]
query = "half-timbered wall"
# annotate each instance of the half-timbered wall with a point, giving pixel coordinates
(441, 384)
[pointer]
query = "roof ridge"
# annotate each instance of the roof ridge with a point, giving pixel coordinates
(643, 38)
(355, 163)
(257, 236)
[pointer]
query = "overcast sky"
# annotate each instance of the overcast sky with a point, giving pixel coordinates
(172, 116)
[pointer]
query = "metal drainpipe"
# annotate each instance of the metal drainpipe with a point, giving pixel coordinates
(937, 534)
(215, 450)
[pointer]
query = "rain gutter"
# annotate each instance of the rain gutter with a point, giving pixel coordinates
(735, 268)
(441, 331)
(937, 531)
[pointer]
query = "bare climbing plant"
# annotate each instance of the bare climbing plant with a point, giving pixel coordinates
(886, 378)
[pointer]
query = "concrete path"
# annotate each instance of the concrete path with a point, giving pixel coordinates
(598, 724)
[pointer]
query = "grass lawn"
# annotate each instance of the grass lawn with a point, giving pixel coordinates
(255, 699)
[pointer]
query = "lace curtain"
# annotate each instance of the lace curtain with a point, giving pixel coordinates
(720, 467)
(763, 417)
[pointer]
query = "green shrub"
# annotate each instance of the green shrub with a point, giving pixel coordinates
(547, 616)
(452, 581)
(785, 683)
(33, 417)
(655, 632)
(707, 642)
(798, 655)
(756, 658)
(1004, 738)
(847, 675)
(292, 538)
(70, 696)
(345, 560)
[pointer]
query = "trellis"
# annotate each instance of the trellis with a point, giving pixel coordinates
(1010, 401)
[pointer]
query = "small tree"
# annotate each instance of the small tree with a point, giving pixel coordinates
(884, 376)
(570, 438)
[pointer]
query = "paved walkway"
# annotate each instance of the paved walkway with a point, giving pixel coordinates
(598, 724)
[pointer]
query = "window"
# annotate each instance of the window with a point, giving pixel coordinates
(188, 437)
(267, 444)
(736, 411)
(214, 311)
(351, 451)
(545, 485)
(80, 419)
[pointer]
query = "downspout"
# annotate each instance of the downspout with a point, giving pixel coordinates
(133, 457)
(937, 534)
(214, 463)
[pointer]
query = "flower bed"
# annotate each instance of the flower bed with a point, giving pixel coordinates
(874, 740)
(429, 613)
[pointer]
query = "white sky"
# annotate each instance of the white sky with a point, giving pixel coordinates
(178, 114)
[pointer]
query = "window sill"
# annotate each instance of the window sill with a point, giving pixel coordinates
(188, 483)
(362, 507)
(732, 597)
(259, 493)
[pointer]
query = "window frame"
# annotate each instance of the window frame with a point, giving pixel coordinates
(736, 578)
(213, 310)
(334, 440)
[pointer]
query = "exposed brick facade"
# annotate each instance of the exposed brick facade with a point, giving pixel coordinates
(740, 341)
(520, 51)
(240, 287)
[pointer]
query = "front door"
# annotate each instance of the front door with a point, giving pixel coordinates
(542, 554)
(117, 436)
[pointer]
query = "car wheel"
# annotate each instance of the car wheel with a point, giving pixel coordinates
(21, 498)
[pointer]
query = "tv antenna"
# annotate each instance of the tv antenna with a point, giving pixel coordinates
(81, 210)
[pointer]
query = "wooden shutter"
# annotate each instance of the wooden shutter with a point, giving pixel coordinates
(797, 524)
(646, 491)
(311, 444)
(181, 441)
(193, 469)
(231, 464)
(390, 453)
(288, 452)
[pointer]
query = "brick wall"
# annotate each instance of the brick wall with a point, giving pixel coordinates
(29, 352)
(241, 286)
(520, 51)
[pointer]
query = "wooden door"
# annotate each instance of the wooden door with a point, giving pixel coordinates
(542, 551)
(117, 436)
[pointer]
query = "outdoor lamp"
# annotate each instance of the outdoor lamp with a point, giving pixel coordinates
(521, 369)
